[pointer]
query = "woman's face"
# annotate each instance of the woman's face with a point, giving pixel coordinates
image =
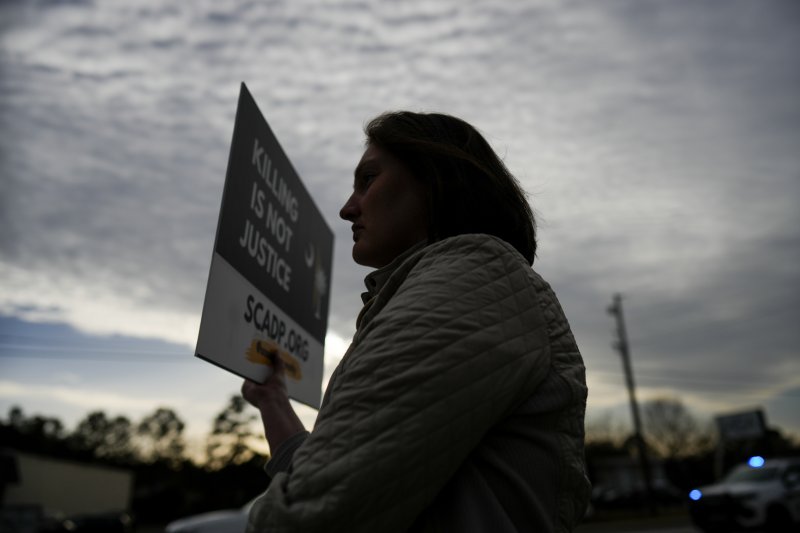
(387, 209)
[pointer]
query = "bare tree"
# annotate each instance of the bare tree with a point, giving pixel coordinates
(37, 426)
(672, 430)
(605, 429)
(34, 433)
(105, 437)
(160, 437)
(228, 442)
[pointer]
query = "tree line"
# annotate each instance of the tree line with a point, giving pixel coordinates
(158, 438)
(170, 480)
(673, 433)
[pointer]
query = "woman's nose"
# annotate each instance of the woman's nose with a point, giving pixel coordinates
(349, 210)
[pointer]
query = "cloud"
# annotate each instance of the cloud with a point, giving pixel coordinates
(659, 144)
(78, 397)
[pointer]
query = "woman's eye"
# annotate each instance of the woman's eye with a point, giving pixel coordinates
(365, 179)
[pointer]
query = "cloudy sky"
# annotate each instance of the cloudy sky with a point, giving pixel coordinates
(659, 142)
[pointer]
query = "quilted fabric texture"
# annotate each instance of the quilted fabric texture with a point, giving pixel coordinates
(458, 407)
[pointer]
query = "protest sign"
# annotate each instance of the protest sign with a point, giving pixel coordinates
(269, 283)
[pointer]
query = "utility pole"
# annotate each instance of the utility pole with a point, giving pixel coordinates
(621, 345)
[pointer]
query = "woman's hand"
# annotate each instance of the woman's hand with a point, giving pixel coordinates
(272, 392)
(272, 400)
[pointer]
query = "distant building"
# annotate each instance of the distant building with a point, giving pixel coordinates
(39, 486)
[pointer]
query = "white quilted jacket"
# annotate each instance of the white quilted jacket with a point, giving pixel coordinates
(458, 407)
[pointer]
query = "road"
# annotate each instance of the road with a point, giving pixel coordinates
(605, 527)
(669, 522)
(663, 523)
(640, 528)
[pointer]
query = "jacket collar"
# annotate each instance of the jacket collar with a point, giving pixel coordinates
(376, 279)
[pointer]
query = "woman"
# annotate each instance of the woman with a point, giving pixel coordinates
(459, 405)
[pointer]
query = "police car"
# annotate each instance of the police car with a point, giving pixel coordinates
(759, 494)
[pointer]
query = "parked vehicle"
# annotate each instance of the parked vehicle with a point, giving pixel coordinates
(120, 522)
(223, 521)
(634, 495)
(759, 494)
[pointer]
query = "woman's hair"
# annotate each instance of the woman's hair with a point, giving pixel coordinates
(470, 190)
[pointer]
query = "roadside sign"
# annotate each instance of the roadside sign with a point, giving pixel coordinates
(740, 426)
(269, 283)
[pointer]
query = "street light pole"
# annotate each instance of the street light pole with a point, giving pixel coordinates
(621, 345)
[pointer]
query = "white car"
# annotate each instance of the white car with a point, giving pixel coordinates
(225, 521)
(763, 494)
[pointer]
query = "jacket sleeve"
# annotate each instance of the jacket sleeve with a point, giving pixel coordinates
(282, 457)
(459, 344)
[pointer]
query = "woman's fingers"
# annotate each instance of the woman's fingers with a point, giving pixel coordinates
(273, 390)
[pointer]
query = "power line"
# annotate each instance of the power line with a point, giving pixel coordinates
(698, 381)
(129, 351)
(139, 358)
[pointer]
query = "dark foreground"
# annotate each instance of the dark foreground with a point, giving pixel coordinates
(672, 521)
(666, 522)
